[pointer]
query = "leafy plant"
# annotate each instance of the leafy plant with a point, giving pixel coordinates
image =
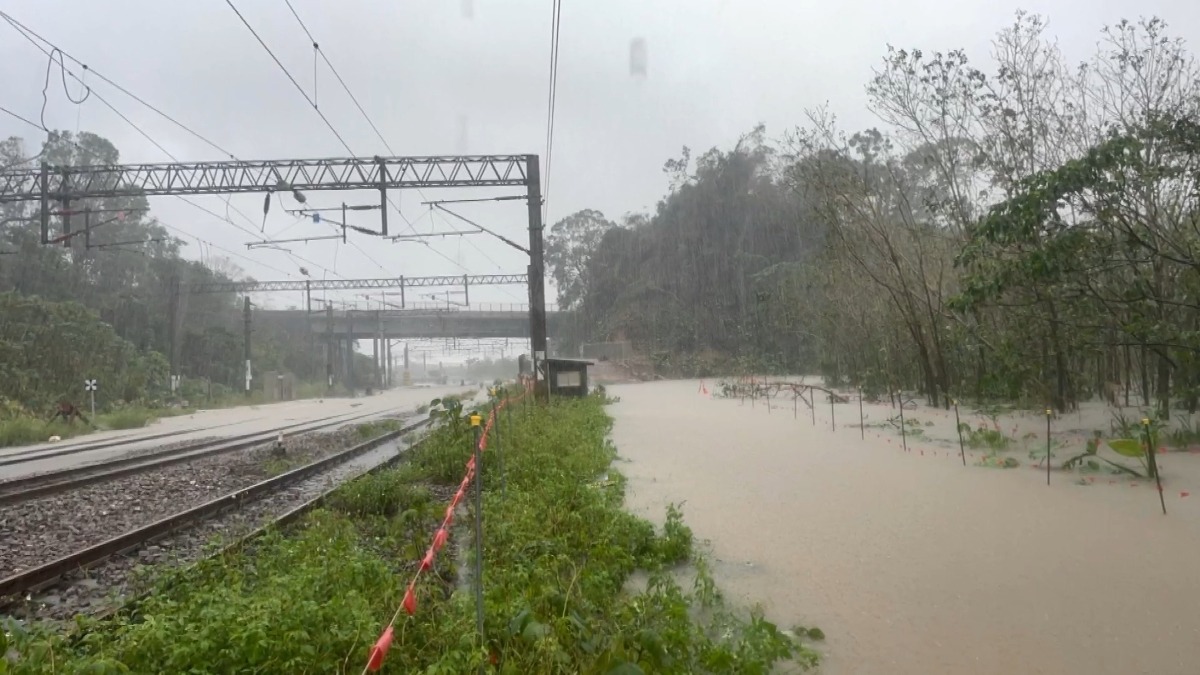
(982, 437)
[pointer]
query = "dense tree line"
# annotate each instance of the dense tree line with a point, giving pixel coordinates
(99, 304)
(1022, 231)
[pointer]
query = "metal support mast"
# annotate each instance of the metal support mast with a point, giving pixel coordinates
(246, 347)
(537, 270)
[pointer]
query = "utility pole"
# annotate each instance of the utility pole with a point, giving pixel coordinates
(537, 268)
(173, 330)
(350, 353)
(407, 373)
(44, 183)
(312, 338)
(246, 347)
(380, 364)
(329, 343)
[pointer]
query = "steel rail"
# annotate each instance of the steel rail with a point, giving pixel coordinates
(35, 454)
(38, 485)
(35, 579)
(282, 520)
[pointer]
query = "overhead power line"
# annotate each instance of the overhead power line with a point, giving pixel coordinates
(51, 48)
(316, 46)
(20, 27)
(29, 35)
(345, 87)
(288, 73)
(26, 120)
(551, 101)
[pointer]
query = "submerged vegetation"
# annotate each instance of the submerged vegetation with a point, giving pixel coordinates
(572, 582)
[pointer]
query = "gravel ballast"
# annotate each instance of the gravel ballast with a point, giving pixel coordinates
(50, 527)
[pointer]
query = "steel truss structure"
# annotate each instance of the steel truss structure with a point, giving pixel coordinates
(64, 184)
(234, 176)
(357, 284)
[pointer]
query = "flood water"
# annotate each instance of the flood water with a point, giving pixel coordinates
(910, 562)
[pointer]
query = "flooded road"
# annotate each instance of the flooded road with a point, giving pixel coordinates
(910, 562)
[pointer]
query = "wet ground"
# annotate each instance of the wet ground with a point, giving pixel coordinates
(227, 422)
(910, 562)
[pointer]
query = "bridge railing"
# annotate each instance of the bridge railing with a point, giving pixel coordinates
(439, 307)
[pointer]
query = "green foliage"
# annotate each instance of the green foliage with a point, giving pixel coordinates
(73, 312)
(1128, 447)
(560, 558)
(982, 437)
(26, 430)
(385, 494)
(675, 545)
(47, 350)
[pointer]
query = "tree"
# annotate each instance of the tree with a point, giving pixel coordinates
(97, 277)
(1025, 230)
(570, 244)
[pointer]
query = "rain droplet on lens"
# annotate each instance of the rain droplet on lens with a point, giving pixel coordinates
(637, 57)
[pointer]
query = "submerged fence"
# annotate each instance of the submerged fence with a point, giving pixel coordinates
(1139, 441)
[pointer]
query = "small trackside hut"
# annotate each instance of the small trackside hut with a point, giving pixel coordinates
(568, 377)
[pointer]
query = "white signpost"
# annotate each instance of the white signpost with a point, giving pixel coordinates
(90, 386)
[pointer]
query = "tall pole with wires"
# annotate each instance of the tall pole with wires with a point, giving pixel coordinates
(537, 267)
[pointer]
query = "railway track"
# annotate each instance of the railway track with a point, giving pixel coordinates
(38, 485)
(39, 453)
(20, 588)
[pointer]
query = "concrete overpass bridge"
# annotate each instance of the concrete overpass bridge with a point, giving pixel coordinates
(339, 330)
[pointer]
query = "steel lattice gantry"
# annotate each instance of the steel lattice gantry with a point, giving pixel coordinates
(356, 284)
(225, 177)
(64, 184)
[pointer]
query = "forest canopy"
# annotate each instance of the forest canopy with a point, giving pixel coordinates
(98, 306)
(1024, 229)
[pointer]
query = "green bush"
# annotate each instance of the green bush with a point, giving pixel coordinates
(27, 430)
(386, 493)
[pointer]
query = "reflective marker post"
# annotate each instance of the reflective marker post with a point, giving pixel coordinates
(90, 386)
(477, 435)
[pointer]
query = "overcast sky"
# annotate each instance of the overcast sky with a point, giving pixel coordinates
(425, 72)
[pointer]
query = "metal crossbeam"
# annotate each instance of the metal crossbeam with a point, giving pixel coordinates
(357, 284)
(351, 173)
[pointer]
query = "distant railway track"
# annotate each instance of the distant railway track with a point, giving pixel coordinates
(38, 485)
(35, 454)
(18, 587)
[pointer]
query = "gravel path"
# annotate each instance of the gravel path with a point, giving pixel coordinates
(43, 529)
(107, 584)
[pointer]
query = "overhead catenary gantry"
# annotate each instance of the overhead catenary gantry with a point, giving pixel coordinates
(402, 283)
(65, 184)
(357, 284)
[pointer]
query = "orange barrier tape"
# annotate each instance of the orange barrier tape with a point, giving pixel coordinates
(409, 604)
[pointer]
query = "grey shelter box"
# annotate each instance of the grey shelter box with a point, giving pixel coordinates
(568, 377)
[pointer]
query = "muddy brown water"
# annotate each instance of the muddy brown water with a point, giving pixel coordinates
(910, 562)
